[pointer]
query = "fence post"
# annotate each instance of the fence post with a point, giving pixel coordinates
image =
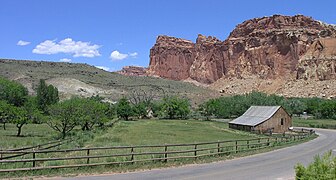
(195, 151)
(166, 155)
(248, 144)
(236, 146)
(259, 145)
(1, 153)
(88, 154)
(268, 140)
(132, 156)
(34, 157)
(218, 148)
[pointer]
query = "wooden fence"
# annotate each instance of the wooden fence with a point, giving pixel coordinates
(96, 156)
(44, 146)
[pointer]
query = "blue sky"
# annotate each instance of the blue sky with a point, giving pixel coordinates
(90, 31)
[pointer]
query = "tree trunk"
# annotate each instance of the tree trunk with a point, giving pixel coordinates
(86, 127)
(19, 126)
(63, 133)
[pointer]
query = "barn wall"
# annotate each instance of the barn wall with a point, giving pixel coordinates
(240, 127)
(274, 122)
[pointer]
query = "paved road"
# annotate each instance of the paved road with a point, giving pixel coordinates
(277, 164)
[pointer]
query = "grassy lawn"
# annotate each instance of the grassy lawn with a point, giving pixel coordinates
(315, 123)
(32, 134)
(141, 132)
(151, 132)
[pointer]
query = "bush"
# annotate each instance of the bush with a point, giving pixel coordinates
(322, 168)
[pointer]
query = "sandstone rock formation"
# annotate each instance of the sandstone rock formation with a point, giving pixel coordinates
(133, 71)
(268, 47)
(171, 58)
(319, 62)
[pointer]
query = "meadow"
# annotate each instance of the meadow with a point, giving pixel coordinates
(315, 123)
(140, 132)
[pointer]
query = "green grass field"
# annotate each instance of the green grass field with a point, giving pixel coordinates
(141, 132)
(32, 134)
(315, 123)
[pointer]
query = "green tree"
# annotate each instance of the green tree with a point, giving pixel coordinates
(19, 116)
(327, 109)
(155, 107)
(16, 115)
(5, 112)
(64, 116)
(209, 108)
(294, 105)
(313, 105)
(12, 92)
(175, 107)
(46, 95)
(124, 109)
(140, 110)
(92, 112)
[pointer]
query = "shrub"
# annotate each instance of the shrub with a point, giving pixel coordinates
(322, 168)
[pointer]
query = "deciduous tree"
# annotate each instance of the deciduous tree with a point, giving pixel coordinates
(124, 109)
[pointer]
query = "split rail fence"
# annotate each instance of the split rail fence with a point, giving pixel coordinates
(38, 159)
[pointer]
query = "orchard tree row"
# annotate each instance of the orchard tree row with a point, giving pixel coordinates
(233, 106)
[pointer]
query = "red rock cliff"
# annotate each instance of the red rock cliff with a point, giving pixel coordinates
(133, 71)
(268, 47)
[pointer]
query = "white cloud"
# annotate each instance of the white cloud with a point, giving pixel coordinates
(134, 55)
(22, 43)
(68, 46)
(65, 60)
(116, 55)
(103, 68)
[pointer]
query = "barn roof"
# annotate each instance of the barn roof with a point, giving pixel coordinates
(256, 115)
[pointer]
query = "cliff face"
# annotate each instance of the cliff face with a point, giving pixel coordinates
(171, 58)
(268, 47)
(319, 62)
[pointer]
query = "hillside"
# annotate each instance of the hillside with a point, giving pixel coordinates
(85, 80)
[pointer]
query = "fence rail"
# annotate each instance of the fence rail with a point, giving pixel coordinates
(25, 150)
(37, 159)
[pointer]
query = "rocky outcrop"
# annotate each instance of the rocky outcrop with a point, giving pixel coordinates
(171, 58)
(319, 62)
(133, 71)
(268, 47)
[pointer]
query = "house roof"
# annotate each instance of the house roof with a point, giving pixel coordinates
(256, 115)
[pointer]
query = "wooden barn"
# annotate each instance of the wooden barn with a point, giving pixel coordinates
(263, 119)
